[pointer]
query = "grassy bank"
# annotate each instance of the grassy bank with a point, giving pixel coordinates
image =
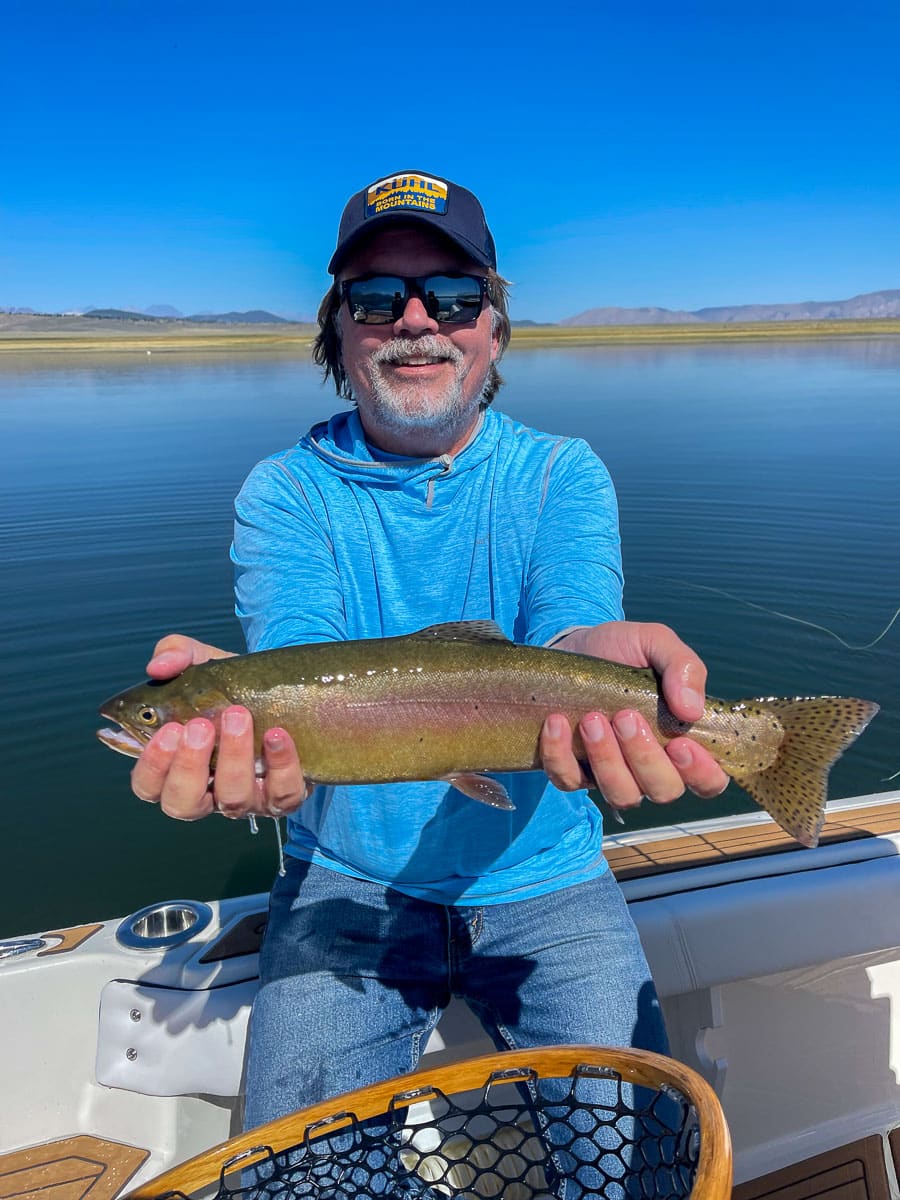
(600, 335)
(156, 345)
(84, 334)
(50, 333)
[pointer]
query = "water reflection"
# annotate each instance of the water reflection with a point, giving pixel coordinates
(748, 475)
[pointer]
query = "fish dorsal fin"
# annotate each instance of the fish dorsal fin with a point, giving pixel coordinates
(463, 631)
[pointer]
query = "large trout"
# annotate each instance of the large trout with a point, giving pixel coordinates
(454, 701)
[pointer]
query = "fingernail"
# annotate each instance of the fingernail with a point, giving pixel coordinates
(196, 735)
(275, 740)
(626, 725)
(235, 721)
(592, 729)
(680, 754)
(692, 699)
(556, 726)
(169, 737)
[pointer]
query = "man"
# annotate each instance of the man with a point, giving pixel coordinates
(424, 505)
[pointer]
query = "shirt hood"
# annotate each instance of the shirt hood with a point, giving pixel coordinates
(341, 445)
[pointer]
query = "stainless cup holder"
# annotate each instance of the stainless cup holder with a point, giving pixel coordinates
(161, 926)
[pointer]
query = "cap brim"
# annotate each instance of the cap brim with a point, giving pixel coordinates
(374, 224)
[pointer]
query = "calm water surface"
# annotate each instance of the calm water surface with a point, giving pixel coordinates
(753, 481)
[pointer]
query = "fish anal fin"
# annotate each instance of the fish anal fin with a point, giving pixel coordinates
(463, 631)
(483, 788)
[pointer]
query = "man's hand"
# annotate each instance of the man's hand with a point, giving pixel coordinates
(626, 761)
(174, 769)
(175, 653)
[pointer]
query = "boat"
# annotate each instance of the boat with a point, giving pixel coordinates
(778, 969)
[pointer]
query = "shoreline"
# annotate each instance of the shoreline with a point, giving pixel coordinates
(600, 335)
(121, 336)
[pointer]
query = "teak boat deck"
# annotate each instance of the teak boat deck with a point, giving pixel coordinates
(82, 1167)
(655, 857)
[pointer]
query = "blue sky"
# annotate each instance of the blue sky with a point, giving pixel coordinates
(198, 154)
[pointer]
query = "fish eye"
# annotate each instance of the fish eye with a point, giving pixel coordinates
(148, 715)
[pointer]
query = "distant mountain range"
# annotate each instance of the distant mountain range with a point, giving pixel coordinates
(870, 305)
(163, 312)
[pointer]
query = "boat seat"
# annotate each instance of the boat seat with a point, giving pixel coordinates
(712, 936)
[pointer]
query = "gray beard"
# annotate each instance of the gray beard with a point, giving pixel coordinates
(400, 407)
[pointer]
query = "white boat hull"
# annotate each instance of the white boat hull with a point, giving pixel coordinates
(779, 975)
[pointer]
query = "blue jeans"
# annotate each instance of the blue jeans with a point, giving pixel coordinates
(354, 976)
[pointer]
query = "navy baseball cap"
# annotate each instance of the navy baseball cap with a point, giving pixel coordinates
(416, 196)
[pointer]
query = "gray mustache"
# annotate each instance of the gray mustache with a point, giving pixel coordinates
(429, 345)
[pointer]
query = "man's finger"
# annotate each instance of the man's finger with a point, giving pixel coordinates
(654, 772)
(699, 770)
(610, 771)
(235, 782)
(185, 793)
(682, 672)
(176, 652)
(150, 771)
(557, 757)
(284, 786)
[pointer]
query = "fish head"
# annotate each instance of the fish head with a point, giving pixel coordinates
(140, 711)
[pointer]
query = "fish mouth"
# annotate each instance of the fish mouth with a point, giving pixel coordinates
(121, 740)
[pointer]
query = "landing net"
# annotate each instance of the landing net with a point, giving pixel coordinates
(520, 1137)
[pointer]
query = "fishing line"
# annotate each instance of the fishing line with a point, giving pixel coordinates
(774, 612)
(279, 844)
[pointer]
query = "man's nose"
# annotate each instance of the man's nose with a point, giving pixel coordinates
(414, 319)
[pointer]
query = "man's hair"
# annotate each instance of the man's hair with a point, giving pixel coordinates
(327, 346)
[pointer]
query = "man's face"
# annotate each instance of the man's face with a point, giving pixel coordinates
(418, 383)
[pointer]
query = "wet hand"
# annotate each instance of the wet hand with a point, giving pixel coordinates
(176, 652)
(625, 761)
(174, 770)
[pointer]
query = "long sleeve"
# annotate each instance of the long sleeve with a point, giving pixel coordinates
(287, 587)
(574, 573)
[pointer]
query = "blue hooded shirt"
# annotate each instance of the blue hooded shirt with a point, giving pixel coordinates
(335, 539)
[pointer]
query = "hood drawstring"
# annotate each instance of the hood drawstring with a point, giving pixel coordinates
(446, 461)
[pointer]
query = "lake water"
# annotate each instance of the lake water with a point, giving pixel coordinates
(754, 480)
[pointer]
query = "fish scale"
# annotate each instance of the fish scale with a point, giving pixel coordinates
(460, 700)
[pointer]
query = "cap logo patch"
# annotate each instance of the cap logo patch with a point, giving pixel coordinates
(421, 192)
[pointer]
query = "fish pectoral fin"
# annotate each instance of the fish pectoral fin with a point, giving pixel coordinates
(483, 788)
(463, 631)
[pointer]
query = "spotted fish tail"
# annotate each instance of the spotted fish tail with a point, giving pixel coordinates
(817, 730)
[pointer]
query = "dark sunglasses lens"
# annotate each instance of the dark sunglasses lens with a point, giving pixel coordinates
(447, 298)
(377, 301)
(453, 300)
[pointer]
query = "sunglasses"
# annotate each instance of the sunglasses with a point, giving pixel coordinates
(382, 299)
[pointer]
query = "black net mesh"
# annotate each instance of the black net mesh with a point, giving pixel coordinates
(520, 1137)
